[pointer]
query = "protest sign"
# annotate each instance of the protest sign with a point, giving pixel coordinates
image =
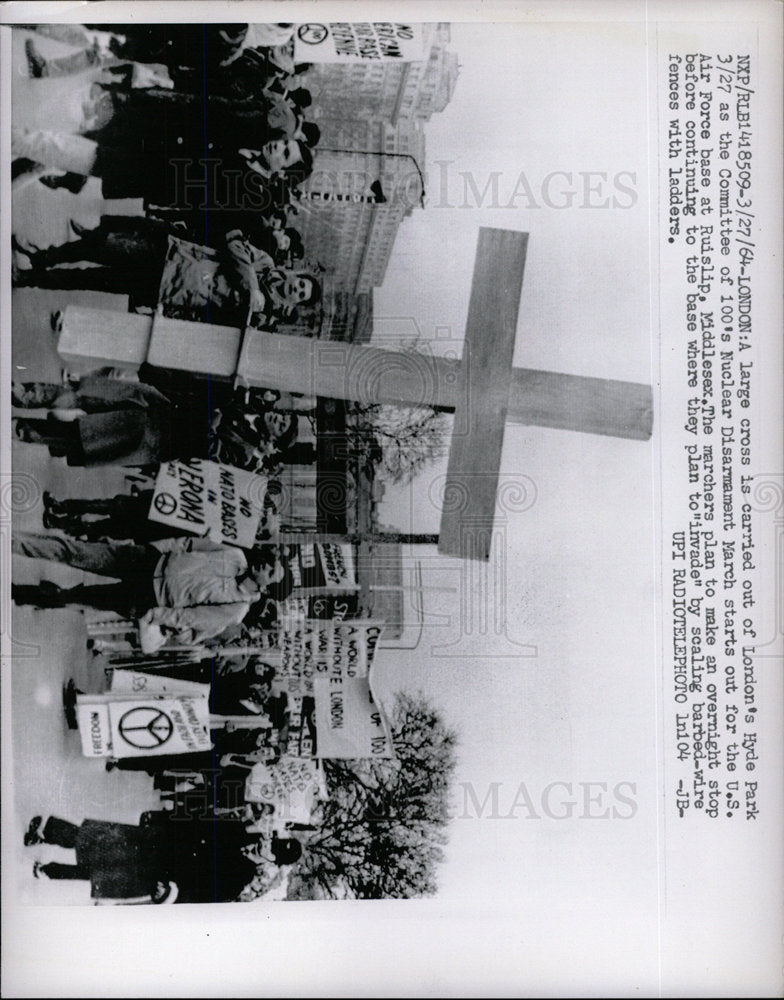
(310, 647)
(290, 786)
(349, 722)
(94, 728)
(341, 42)
(336, 650)
(336, 606)
(159, 726)
(128, 681)
(122, 724)
(210, 500)
(302, 738)
(324, 568)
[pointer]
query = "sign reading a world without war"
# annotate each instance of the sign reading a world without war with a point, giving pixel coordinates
(343, 42)
(210, 500)
(312, 647)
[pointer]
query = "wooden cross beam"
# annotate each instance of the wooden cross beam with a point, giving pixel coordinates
(482, 389)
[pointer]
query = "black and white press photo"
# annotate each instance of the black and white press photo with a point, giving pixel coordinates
(391, 498)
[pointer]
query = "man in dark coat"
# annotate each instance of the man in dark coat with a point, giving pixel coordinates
(206, 855)
(124, 423)
(119, 860)
(130, 250)
(199, 860)
(182, 168)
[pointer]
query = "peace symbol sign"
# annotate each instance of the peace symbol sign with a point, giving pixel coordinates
(312, 34)
(165, 503)
(145, 727)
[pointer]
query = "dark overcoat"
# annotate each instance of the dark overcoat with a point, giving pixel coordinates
(124, 861)
(181, 150)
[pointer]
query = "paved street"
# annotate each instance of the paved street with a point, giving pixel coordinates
(49, 646)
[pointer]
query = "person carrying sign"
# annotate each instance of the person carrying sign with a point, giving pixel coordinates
(125, 516)
(121, 861)
(170, 859)
(185, 589)
(109, 421)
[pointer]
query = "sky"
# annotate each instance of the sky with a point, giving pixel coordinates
(569, 691)
(569, 571)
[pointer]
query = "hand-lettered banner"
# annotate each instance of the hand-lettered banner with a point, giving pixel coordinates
(290, 786)
(322, 568)
(358, 42)
(349, 722)
(210, 500)
(337, 653)
(128, 725)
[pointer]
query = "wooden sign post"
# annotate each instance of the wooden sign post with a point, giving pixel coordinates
(483, 389)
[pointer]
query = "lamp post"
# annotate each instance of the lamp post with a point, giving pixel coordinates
(379, 153)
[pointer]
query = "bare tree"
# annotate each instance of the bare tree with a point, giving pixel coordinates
(399, 441)
(383, 829)
(402, 440)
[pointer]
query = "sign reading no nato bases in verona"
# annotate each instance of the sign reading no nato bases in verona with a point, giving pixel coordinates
(380, 41)
(210, 500)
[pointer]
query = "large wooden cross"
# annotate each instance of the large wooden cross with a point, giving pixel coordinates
(482, 389)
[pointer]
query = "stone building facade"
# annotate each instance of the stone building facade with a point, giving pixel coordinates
(370, 162)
